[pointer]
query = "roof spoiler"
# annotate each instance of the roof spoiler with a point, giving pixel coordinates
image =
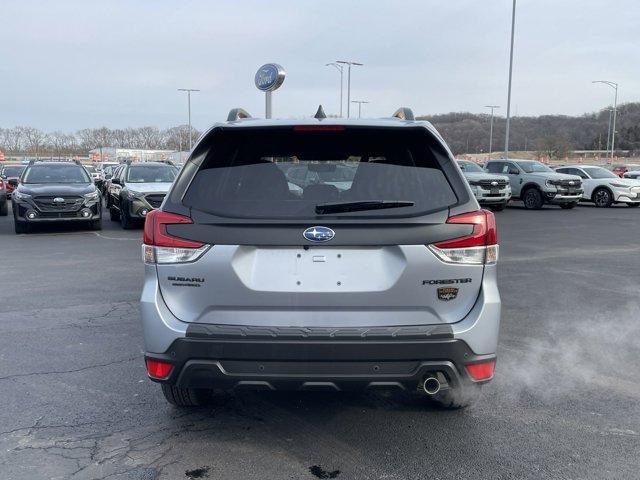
(237, 114)
(404, 113)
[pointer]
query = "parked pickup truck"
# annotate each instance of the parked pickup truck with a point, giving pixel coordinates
(536, 184)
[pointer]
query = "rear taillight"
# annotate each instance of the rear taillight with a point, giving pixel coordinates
(478, 248)
(161, 247)
(481, 371)
(158, 369)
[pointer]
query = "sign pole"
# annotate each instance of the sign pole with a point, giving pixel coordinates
(267, 104)
(269, 77)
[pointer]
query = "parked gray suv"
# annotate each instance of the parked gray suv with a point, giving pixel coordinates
(536, 184)
(386, 279)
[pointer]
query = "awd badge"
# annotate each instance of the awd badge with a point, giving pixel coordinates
(447, 293)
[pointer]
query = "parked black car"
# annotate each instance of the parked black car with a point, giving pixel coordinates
(4, 210)
(55, 192)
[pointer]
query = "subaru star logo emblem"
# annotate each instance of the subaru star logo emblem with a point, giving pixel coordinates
(58, 199)
(318, 234)
(571, 182)
(494, 184)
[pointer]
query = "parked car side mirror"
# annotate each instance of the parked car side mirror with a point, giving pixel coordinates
(116, 181)
(13, 182)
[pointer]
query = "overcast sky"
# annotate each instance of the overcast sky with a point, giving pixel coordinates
(66, 65)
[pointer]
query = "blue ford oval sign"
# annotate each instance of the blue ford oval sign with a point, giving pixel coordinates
(269, 77)
(318, 234)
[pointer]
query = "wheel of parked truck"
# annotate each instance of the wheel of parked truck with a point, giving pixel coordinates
(20, 227)
(569, 206)
(602, 198)
(186, 397)
(114, 215)
(633, 205)
(457, 397)
(532, 199)
(498, 207)
(4, 209)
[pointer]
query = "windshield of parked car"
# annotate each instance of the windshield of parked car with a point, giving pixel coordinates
(467, 166)
(56, 173)
(599, 172)
(531, 166)
(13, 170)
(151, 174)
(288, 173)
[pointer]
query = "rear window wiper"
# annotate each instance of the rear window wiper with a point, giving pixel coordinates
(324, 208)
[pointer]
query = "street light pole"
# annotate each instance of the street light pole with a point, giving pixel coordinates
(359, 102)
(613, 85)
(609, 130)
(349, 63)
(340, 68)
(492, 107)
(189, 90)
(513, 28)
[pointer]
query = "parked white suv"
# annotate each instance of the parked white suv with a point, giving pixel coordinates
(603, 187)
(490, 190)
(536, 184)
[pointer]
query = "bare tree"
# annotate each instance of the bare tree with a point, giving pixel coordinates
(34, 139)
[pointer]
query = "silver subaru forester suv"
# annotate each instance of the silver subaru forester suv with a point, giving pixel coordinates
(320, 254)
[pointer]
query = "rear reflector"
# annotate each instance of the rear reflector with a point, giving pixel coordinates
(158, 369)
(478, 248)
(481, 371)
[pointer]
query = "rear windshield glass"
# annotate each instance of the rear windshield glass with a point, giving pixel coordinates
(287, 173)
(11, 171)
(151, 174)
(56, 174)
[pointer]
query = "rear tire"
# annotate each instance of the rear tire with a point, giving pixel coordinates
(4, 209)
(602, 198)
(633, 205)
(498, 207)
(568, 206)
(532, 199)
(186, 397)
(458, 397)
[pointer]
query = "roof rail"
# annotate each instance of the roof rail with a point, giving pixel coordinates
(404, 113)
(237, 114)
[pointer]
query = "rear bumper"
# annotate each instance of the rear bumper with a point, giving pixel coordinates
(278, 362)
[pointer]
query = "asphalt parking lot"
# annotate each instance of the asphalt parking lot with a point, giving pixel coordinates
(76, 403)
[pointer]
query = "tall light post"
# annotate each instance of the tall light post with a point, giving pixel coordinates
(613, 85)
(609, 129)
(359, 102)
(513, 28)
(349, 63)
(340, 68)
(189, 90)
(492, 107)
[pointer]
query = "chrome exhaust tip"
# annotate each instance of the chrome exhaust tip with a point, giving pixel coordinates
(431, 385)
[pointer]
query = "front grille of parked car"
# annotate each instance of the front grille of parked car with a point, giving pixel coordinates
(487, 184)
(58, 214)
(155, 199)
(69, 204)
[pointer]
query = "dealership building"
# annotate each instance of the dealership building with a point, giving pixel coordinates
(112, 154)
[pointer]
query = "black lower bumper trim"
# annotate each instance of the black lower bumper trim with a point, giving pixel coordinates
(217, 361)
